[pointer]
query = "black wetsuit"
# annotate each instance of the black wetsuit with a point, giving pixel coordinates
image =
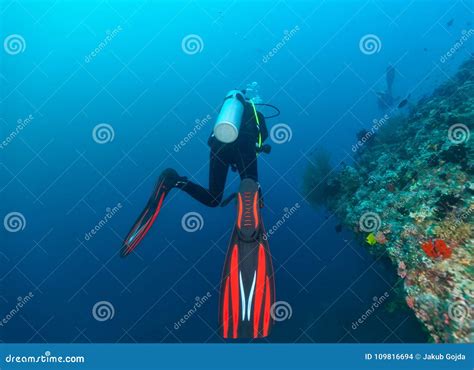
(239, 155)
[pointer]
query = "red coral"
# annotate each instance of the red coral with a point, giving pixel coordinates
(428, 247)
(442, 248)
(436, 249)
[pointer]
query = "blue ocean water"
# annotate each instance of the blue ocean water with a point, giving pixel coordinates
(103, 95)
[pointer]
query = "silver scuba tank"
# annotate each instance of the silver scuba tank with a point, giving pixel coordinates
(227, 126)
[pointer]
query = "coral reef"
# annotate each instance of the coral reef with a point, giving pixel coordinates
(316, 179)
(409, 195)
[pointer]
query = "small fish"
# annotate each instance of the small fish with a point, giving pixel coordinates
(425, 49)
(404, 102)
(371, 239)
(450, 22)
(338, 228)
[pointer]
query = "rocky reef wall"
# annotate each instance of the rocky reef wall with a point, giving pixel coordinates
(409, 195)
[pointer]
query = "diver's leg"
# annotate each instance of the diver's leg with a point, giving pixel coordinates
(247, 288)
(247, 160)
(218, 168)
(168, 180)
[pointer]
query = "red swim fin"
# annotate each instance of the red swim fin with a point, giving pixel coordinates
(146, 218)
(247, 287)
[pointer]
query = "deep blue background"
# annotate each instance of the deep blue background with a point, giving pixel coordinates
(151, 93)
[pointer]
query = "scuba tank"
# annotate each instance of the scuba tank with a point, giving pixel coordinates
(227, 126)
(228, 122)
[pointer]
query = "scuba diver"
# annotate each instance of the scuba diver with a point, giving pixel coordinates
(385, 98)
(247, 286)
